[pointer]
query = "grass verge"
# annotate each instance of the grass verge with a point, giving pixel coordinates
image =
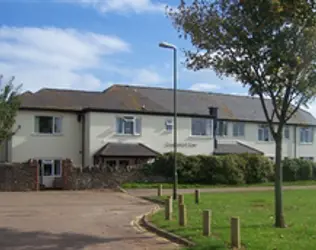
(255, 210)
(135, 185)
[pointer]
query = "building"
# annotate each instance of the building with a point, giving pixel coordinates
(126, 124)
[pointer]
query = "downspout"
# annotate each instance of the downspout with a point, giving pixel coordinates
(295, 140)
(83, 130)
(213, 111)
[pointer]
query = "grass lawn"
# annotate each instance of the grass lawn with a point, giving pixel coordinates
(256, 212)
(169, 185)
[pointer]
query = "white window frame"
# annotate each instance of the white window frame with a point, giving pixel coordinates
(128, 118)
(239, 124)
(169, 125)
(224, 131)
(37, 117)
(208, 129)
(263, 127)
(311, 135)
(52, 163)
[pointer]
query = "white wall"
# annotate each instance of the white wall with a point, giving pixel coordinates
(26, 144)
(103, 125)
(251, 139)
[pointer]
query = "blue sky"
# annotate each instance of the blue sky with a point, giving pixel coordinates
(91, 44)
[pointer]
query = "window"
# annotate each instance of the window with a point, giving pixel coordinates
(221, 128)
(48, 125)
(238, 129)
(306, 135)
(307, 158)
(286, 132)
(128, 125)
(201, 127)
(263, 133)
(169, 125)
(50, 167)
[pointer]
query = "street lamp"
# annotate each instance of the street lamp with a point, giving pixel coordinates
(175, 174)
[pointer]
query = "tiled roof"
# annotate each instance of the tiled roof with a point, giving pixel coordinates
(158, 100)
(237, 148)
(127, 150)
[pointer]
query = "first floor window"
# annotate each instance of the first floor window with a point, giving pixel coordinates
(263, 133)
(238, 129)
(201, 126)
(48, 125)
(169, 125)
(306, 135)
(221, 128)
(128, 125)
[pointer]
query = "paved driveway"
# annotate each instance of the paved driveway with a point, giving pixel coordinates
(74, 220)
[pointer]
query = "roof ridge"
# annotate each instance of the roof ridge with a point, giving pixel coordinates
(182, 90)
(68, 90)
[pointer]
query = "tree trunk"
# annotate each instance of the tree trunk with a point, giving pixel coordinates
(279, 218)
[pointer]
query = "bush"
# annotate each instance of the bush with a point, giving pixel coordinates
(257, 168)
(297, 169)
(230, 171)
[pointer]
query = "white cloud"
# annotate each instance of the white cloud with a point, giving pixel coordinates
(140, 77)
(53, 57)
(203, 87)
(123, 6)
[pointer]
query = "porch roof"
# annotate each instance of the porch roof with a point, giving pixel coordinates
(113, 149)
(237, 148)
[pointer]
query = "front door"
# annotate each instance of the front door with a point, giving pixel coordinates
(49, 170)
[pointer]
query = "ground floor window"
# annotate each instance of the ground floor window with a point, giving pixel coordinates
(308, 158)
(50, 167)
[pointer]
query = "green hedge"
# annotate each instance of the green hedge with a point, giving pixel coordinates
(229, 169)
(298, 169)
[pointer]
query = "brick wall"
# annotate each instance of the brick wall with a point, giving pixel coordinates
(18, 176)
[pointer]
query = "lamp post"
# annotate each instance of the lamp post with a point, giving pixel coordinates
(175, 174)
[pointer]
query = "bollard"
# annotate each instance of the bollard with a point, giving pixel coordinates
(207, 220)
(160, 190)
(180, 199)
(197, 196)
(168, 208)
(182, 215)
(235, 232)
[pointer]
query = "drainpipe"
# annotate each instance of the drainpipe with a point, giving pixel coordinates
(213, 111)
(295, 140)
(83, 125)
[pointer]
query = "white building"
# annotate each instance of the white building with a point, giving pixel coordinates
(125, 124)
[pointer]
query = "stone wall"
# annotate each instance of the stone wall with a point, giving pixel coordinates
(98, 177)
(18, 176)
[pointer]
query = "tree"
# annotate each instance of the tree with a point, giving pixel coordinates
(9, 105)
(267, 45)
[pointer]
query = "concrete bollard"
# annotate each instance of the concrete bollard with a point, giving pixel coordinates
(207, 220)
(182, 215)
(235, 232)
(180, 199)
(168, 208)
(197, 196)
(160, 190)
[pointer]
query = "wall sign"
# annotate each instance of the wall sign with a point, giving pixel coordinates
(181, 145)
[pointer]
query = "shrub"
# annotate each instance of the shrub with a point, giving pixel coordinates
(257, 168)
(189, 173)
(297, 169)
(229, 170)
